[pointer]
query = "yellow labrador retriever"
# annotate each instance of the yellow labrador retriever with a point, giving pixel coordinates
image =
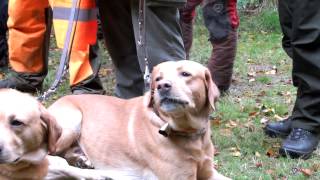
(164, 134)
(27, 133)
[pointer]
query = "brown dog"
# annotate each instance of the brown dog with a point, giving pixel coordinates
(122, 136)
(27, 132)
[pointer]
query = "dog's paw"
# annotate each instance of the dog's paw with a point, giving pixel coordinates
(83, 162)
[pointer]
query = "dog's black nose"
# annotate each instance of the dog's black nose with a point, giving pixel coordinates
(164, 87)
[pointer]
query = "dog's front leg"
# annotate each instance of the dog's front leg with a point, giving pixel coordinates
(60, 169)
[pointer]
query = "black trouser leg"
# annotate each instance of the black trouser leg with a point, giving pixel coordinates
(119, 36)
(305, 43)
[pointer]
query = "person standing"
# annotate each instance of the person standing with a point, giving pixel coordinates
(299, 20)
(119, 20)
(221, 19)
(29, 26)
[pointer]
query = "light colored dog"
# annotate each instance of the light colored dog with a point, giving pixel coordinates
(164, 134)
(27, 132)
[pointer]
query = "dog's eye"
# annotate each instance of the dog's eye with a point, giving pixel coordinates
(185, 74)
(16, 123)
(158, 79)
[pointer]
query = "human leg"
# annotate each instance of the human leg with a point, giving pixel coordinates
(120, 42)
(222, 59)
(29, 28)
(304, 137)
(187, 14)
(84, 61)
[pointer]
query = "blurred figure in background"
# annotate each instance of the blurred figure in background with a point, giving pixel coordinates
(221, 19)
(119, 20)
(29, 26)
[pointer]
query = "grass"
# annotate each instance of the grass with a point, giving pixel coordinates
(261, 91)
(244, 151)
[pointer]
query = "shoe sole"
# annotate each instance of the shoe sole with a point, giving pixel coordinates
(294, 154)
(274, 134)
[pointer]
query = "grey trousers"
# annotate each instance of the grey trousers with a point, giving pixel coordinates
(120, 27)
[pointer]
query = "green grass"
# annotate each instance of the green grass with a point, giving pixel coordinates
(239, 136)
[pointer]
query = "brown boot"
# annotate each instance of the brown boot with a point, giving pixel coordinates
(221, 61)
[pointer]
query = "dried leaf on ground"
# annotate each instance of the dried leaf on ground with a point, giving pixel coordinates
(216, 121)
(257, 154)
(226, 132)
(272, 153)
(252, 80)
(252, 74)
(231, 124)
(236, 154)
(259, 164)
(306, 172)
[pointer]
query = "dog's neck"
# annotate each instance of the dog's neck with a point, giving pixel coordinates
(170, 130)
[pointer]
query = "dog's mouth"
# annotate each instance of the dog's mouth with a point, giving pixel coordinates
(170, 100)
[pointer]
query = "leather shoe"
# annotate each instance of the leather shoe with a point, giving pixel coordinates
(14, 83)
(300, 143)
(279, 129)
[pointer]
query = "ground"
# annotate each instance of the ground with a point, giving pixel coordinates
(261, 91)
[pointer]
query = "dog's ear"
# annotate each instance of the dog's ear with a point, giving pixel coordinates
(212, 89)
(148, 99)
(53, 130)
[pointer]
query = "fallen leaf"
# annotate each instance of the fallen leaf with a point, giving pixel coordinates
(226, 132)
(252, 80)
(272, 153)
(254, 114)
(306, 172)
(316, 167)
(215, 122)
(271, 72)
(277, 117)
(251, 74)
(258, 164)
(236, 154)
(269, 171)
(257, 154)
(262, 93)
(231, 124)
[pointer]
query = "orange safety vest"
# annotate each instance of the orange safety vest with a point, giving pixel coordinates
(86, 26)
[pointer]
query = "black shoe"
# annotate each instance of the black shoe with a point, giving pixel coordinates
(88, 86)
(76, 90)
(279, 129)
(299, 144)
(20, 85)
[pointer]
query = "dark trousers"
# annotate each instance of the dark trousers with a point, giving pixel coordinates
(119, 20)
(300, 23)
(3, 31)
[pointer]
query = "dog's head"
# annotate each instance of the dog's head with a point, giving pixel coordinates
(27, 131)
(182, 89)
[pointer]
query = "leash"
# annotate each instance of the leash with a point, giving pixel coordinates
(142, 42)
(65, 57)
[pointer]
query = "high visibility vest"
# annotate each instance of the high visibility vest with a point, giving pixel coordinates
(86, 25)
